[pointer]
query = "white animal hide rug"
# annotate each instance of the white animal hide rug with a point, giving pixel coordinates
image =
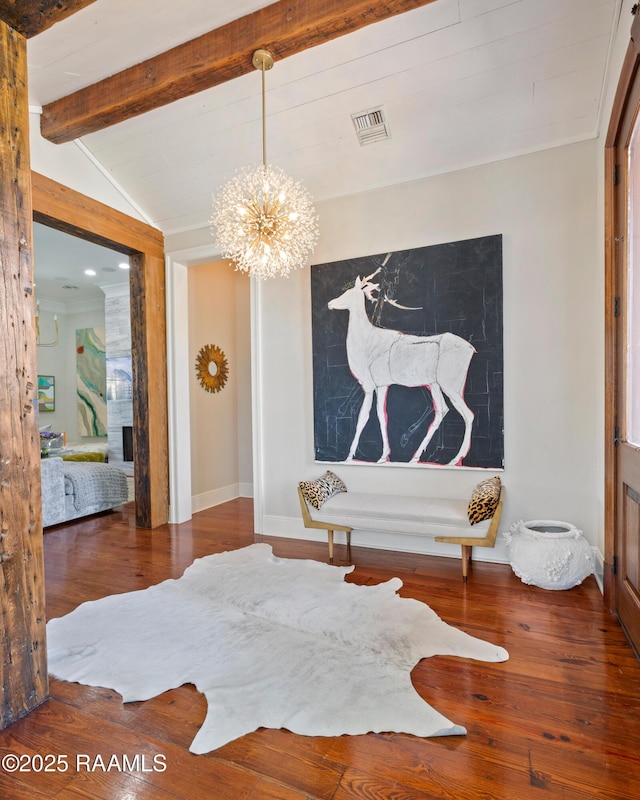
(272, 642)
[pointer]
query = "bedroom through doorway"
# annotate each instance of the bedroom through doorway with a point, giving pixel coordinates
(84, 349)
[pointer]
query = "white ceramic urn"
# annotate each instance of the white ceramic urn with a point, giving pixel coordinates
(548, 553)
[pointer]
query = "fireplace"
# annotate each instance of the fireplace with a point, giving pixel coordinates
(127, 442)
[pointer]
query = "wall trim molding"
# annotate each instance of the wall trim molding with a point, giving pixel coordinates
(115, 289)
(215, 497)
(178, 407)
(292, 528)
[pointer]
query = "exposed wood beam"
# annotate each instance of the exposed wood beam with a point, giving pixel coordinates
(284, 28)
(30, 17)
(23, 652)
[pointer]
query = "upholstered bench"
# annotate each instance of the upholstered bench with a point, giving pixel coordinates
(326, 505)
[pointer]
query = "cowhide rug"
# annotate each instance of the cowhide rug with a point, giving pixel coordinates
(273, 642)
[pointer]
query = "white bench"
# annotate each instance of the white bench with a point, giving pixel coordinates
(444, 519)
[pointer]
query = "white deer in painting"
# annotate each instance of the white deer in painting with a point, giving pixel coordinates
(379, 358)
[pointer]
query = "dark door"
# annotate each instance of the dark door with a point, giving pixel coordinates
(627, 236)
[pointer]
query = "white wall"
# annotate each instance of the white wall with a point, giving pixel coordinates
(220, 421)
(545, 206)
(72, 165)
(243, 374)
(548, 206)
(60, 361)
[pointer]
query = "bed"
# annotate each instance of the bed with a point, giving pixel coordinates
(73, 489)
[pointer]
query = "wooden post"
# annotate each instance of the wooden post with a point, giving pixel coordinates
(148, 352)
(23, 676)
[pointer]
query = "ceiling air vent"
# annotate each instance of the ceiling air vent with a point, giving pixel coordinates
(371, 126)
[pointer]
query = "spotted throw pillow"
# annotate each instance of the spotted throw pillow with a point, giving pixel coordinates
(318, 491)
(484, 500)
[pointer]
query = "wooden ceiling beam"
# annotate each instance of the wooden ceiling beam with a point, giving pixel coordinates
(30, 17)
(285, 28)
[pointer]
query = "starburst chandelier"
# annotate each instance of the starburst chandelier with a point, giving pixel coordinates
(264, 221)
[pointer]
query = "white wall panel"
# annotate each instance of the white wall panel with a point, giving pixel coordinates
(544, 205)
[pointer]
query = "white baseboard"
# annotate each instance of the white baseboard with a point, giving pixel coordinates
(598, 560)
(292, 528)
(200, 502)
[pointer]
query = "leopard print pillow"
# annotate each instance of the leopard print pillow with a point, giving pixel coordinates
(484, 500)
(318, 491)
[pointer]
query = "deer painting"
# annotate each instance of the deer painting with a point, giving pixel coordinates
(379, 358)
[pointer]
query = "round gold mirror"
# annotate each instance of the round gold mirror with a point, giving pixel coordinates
(212, 368)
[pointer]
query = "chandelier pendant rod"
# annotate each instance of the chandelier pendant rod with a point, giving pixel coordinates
(263, 60)
(264, 122)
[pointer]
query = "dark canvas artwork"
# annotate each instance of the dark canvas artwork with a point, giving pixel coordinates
(408, 360)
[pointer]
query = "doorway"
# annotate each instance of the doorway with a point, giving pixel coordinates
(62, 208)
(189, 300)
(82, 292)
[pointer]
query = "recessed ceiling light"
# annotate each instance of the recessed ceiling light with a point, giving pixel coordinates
(124, 265)
(108, 269)
(89, 272)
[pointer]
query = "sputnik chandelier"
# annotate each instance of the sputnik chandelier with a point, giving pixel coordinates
(264, 221)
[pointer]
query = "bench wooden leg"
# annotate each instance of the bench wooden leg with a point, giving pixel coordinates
(330, 535)
(466, 560)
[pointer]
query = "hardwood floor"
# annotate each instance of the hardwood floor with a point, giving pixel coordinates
(560, 719)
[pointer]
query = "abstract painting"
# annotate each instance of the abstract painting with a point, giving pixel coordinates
(91, 373)
(46, 393)
(408, 357)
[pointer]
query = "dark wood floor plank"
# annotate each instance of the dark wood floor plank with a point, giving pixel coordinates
(265, 790)
(356, 785)
(99, 785)
(19, 792)
(305, 768)
(559, 721)
(91, 742)
(174, 716)
(171, 717)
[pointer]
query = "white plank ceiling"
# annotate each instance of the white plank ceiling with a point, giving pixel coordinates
(461, 82)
